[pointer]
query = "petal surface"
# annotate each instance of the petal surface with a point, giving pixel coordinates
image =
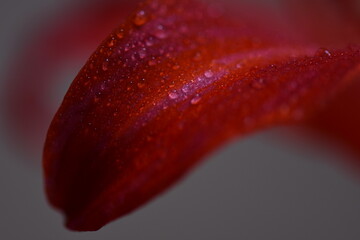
(162, 91)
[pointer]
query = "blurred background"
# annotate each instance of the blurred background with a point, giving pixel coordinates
(262, 187)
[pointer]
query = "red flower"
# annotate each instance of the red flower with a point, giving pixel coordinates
(173, 83)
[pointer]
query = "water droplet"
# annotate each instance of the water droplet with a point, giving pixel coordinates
(327, 52)
(185, 89)
(142, 53)
(149, 42)
(195, 100)
(173, 95)
(160, 32)
(111, 43)
(140, 18)
(209, 74)
(323, 51)
(120, 34)
(200, 79)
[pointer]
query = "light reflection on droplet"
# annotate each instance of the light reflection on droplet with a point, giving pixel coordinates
(185, 89)
(142, 53)
(160, 32)
(140, 18)
(173, 95)
(209, 74)
(149, 42)
(195, 100)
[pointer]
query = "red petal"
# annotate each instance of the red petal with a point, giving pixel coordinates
(163, 91)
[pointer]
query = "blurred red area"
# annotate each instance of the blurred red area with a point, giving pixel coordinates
(37, 80)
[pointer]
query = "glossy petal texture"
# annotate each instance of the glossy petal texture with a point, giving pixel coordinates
(162, 91)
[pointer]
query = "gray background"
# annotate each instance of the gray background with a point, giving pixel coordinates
(261, 187)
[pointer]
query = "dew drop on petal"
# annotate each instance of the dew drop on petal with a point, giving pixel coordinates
(149, 42)
(173, 95)
(142, 53)
(111, 43)
(140, 18)
(195, 100)
(323, 52)
(209, 74)
(160, 32)
(185, 89)
(120, 35)
(327, 53)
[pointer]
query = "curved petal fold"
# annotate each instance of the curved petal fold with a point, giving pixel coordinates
(173, 83)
